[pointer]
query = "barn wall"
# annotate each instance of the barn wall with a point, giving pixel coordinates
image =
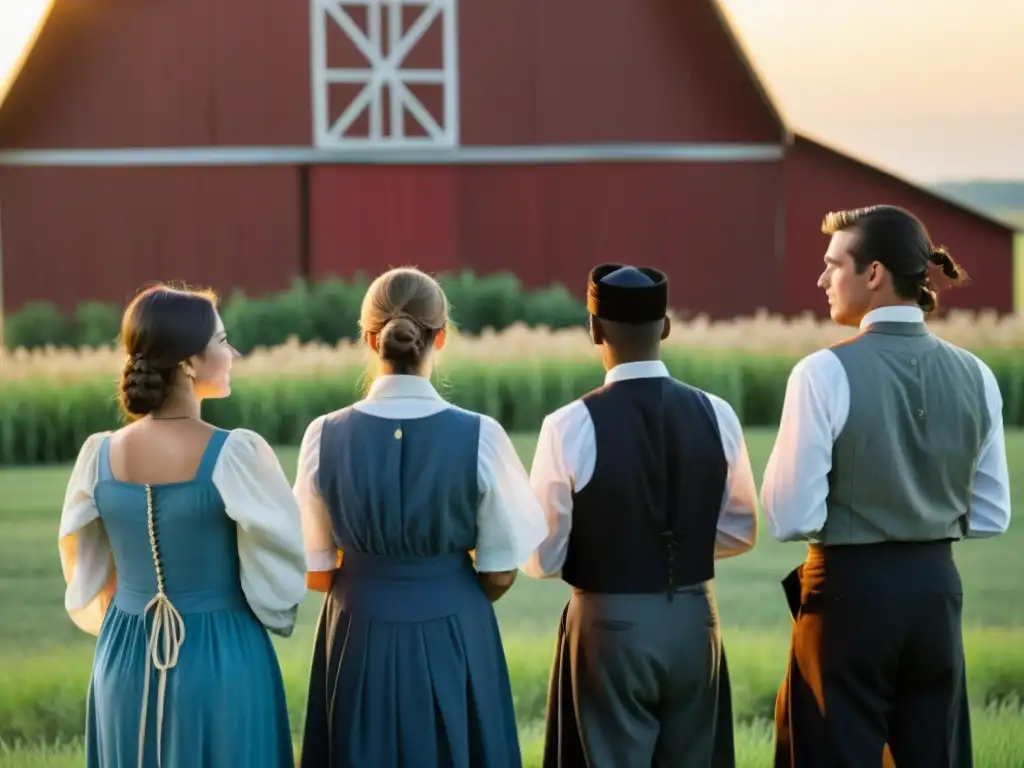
(188, 72)
(710, 226)
(371, 218)
(76, 234)
(1018, 273)
(588, 71)
(818, 180)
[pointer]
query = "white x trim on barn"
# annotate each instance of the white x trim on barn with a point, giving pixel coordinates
(386, 68)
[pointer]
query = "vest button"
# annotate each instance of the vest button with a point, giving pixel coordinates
(913, 361)
(920, 413)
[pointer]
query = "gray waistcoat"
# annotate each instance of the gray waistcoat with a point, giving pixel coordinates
(903, 465)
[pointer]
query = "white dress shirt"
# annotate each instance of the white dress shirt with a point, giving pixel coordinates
(566, 456)
(510, 523)
(816, 406)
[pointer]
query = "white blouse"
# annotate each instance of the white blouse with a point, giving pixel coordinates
(256, 496)
(510, 521)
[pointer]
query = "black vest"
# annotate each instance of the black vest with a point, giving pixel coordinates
(647, 520)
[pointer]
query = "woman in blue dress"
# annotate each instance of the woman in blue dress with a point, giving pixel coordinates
(416, 516)
(181, 546)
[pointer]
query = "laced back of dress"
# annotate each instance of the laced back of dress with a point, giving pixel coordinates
(165, 638)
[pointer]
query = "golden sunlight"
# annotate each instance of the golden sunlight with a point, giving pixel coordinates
(20, 24)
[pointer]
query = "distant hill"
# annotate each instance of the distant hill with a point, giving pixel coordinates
(1001, 198)
(1015, 216)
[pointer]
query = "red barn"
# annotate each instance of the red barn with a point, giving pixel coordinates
(241, 143)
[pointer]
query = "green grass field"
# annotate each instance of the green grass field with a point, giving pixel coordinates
(45, 661)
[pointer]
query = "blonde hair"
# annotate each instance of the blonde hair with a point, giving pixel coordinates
(405, 308)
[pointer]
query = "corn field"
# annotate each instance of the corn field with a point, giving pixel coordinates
(50, 400)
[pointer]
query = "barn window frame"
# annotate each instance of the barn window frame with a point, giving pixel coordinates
(384, 70)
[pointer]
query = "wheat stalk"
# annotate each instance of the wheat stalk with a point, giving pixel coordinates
(760, 334)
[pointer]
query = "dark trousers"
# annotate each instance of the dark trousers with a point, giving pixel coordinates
(876, 662)
(639, 681)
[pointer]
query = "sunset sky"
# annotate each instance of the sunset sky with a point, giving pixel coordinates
(933, 89)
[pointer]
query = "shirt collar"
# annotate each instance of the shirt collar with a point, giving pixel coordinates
(644, 369)
(898, 314)
(402, 386)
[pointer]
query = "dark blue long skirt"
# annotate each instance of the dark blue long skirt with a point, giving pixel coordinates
(409, 670)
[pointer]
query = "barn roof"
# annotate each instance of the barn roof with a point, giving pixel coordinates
(742, 52)
(931, 192)
(32, 23)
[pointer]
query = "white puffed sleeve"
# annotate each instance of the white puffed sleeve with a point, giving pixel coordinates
(85, 554)
(317, 532)
(258, 498)
(510, 521)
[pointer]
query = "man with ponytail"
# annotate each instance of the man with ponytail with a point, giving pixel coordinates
(890, 449)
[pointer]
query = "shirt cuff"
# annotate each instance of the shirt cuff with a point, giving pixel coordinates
(324, 560)
(497, 562)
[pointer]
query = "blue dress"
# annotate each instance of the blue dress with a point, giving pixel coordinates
(221, 703)
(408, 667)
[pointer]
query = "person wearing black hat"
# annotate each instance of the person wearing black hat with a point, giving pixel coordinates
(645, 481)
(890, 448)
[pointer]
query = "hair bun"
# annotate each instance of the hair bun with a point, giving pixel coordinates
(400, 338)
(144, 387)
(928, 299)
(141, 364)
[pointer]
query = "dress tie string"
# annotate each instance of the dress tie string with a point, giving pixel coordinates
(166, 637)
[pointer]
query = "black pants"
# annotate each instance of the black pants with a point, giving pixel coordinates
(876, 660)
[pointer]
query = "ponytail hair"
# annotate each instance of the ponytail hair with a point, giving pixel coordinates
(928, 297)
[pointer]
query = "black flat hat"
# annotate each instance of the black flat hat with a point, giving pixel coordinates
(621, 293)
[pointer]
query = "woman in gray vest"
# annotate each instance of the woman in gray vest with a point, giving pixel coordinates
(416, 516)
(890, 448)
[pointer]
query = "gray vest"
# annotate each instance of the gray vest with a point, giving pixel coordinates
(903, 465)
